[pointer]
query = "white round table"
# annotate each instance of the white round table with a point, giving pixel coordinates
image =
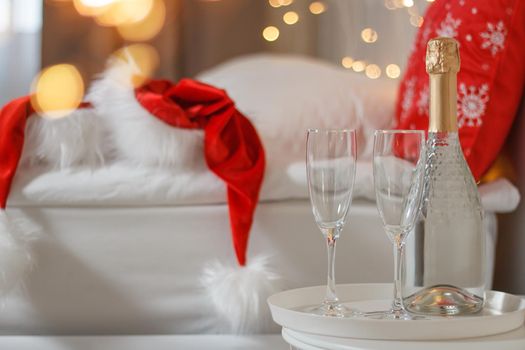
(514, 340)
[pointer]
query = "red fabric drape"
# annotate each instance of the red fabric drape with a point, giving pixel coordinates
(232, 148)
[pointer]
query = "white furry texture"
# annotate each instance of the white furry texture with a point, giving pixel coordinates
(285, 95)
(15, 251)
(73, 140)
(239, 294)
(137, 136)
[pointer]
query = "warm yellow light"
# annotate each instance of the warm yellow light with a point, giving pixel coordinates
(145, 57)
(88, 8)
(373, 71)
(57, 90)
(96, 3)
(416, 21)
(285, 2)
(270, 33)
(369, 35)
(408, 3)
(123, 12)
(147, 28)
(347, 62)
(290, 17)
(393, 71)
(274, 3)
(358, 66)
(317, 7)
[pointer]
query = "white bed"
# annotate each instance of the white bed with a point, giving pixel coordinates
(135, 269)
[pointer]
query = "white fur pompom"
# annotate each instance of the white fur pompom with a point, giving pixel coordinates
(239, 294)
(73, 140)
(137, 135)
(15, 251)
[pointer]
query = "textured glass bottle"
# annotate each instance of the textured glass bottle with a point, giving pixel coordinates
(445, 255)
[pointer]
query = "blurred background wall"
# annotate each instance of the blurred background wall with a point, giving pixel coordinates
(188, 36)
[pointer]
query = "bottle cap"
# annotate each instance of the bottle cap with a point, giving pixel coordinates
(442, 56)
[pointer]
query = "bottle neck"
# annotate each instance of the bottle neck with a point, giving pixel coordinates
(443, 102)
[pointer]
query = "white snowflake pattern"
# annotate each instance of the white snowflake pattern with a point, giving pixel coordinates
(472, 103)
(422, 102)
(449, 27)
(406, 103)
(494, 37)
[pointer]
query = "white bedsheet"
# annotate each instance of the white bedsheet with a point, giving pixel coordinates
(122, 184)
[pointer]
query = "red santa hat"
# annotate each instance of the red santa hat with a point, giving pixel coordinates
(233, 152)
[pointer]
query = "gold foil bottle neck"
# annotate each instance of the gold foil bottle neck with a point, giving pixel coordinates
(442, 56)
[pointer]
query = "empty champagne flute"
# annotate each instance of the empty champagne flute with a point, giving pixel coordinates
(398, 182)
(330, 165)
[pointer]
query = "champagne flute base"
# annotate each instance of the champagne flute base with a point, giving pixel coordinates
(401, 315)
(332, 309)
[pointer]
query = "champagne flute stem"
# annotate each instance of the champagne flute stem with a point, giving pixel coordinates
(331, 296)
(399, 250)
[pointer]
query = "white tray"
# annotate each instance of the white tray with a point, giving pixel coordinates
(502, 313)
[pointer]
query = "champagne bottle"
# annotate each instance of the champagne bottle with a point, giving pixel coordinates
(445, 259)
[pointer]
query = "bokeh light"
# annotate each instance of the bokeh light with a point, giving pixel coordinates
(290, 17)
(408, 3)
(88, 8)
(347, 62)
(57, 91)
(270, 33)
(416, 21)
(358, 66)
(317, 7)
(274, 3)
(148, 27)
(369, 35)
(373, 71)
(145, 57)
(393, 71)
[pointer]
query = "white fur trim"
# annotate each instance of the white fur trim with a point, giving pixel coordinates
(138, 136)
(73, 140)
(15, 251)
(239, 294)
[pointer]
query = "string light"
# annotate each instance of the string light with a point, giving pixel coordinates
(373, 71)
(148, 27)
(408, 3)
(143, 56)
(317, 7)
(274, 3)
(285, 2)
(369, 35)
(57, 90)
(270, 33)
(290, 17)
(416, 21)
(358, 66)
(347, 62)
(393, 71)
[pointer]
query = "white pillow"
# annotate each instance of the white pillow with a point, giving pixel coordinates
(285, 95)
